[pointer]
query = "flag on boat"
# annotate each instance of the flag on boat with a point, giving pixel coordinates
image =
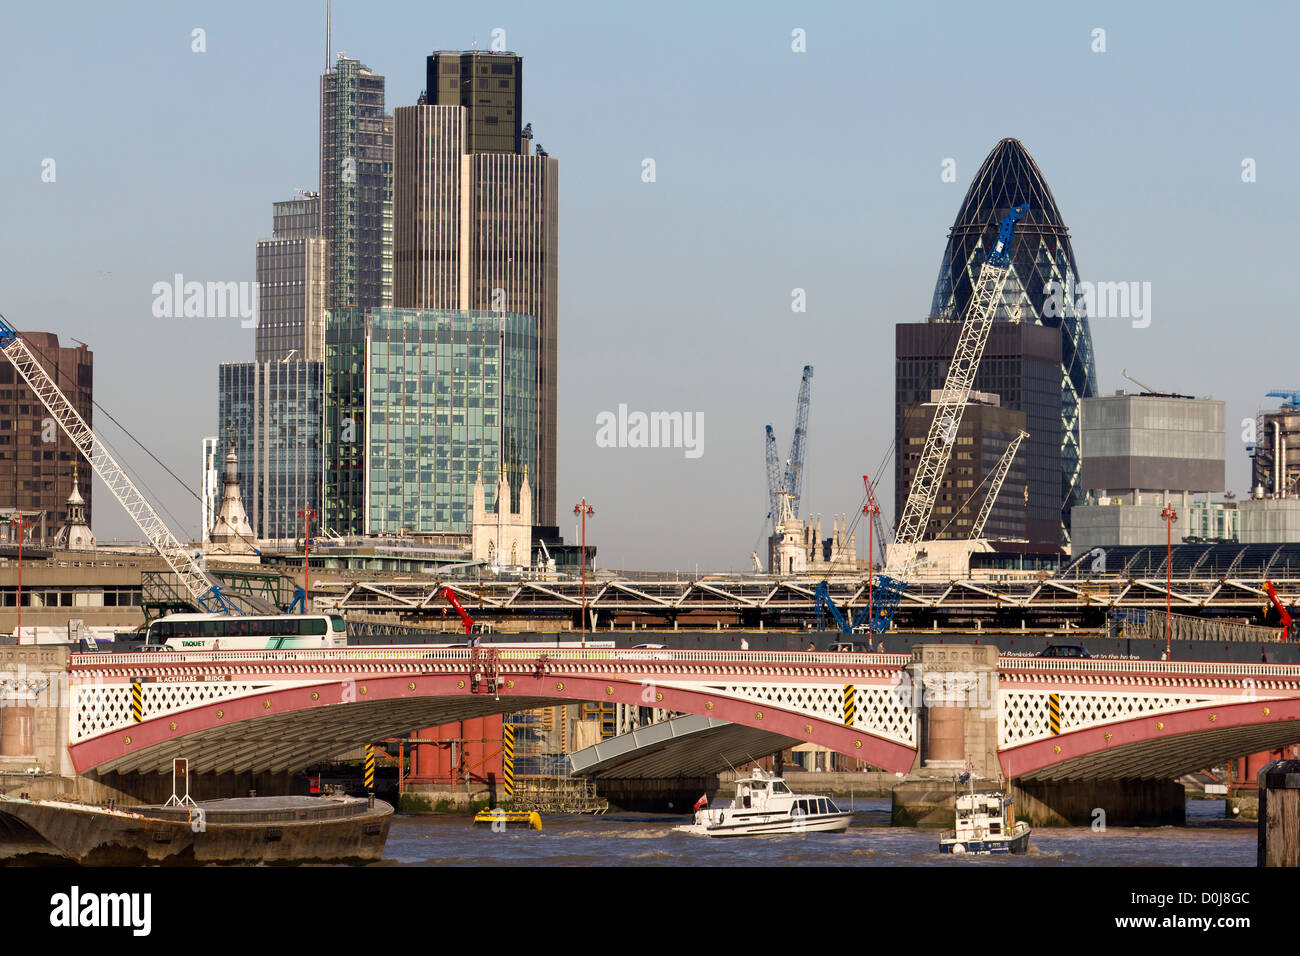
(702, 802)
(964, 777)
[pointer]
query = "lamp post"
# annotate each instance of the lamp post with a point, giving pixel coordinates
(306, 550)
(1169, 514)
(583, 510)
(22, 525)
(871, 509)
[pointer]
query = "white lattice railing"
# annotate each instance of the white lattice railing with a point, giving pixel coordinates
(513, 654)
(882, 711)
(1024, 715)
(98, 708)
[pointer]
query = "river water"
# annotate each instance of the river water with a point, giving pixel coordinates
(649, 840)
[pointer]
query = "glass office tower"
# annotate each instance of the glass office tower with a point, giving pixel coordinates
(417, 402)
(1041, 254)
(356, 186)
(271, 411)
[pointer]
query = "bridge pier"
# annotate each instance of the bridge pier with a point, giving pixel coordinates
(1100, 803)
(954, 690)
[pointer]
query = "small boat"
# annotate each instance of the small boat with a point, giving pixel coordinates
(765, 805)
(985, 823)
(500, 819)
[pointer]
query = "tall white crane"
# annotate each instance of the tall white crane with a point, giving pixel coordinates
(999, 476)
(205, 591)
(957, 386)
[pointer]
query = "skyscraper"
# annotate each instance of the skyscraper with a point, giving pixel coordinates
(490, 86)
(356, 171)
(291, 284)
(418, 403)
(271, 413)
(1041, 254)
(476, 224)
(36, 457)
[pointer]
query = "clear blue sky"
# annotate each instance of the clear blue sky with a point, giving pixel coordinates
(775, 170)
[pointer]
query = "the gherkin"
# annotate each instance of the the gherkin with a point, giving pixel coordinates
(1041, 255)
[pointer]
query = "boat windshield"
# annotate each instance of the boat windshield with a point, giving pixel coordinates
(779, 787)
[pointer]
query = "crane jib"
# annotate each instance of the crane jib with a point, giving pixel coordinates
(204, 590)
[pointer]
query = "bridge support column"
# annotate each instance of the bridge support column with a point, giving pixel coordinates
(33, 712)
(1100, 803)
(954, 691)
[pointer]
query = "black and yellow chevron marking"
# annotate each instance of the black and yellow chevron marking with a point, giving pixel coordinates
(508, 757)
(370, 767)
(850, 704)
(137, 700)
(1054, 713)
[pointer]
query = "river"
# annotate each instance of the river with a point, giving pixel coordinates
(648, 840)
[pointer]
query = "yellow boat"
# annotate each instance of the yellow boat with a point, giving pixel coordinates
(500, 819)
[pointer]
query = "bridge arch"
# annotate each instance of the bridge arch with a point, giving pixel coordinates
(289, 724)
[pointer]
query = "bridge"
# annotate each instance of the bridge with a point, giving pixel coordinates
(1029, 718)
(1207, 579)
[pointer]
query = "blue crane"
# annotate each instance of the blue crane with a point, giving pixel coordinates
(791, 481)
(885, 597)
(1292, 397)
(773, 479)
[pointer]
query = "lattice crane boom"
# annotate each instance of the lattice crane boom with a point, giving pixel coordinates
(877, 524)
(773, 479)
(206, 592)
(793, 482)
(957, 386)
(999, 476)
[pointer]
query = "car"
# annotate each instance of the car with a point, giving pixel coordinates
(1064, 650)
(850, 647)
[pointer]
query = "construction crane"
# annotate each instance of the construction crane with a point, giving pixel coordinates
(791, 480)
(466, 621)
(1283, 616)
(877, 525)
(773, 479)
(999, 476)
(881, 611)
(202, 588)
(1291, 395)
(942, 434)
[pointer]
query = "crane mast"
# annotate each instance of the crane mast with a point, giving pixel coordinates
(773, 479)
(957, 386)
(203, 589)
(793, 483)
(999, 476)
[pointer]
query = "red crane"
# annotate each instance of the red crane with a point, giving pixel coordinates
(464, 615)
(1283, 617)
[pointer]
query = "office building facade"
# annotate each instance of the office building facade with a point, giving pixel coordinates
(490, 87)
(356, 169)
(36, 457)
(1021, 366)
(418, 403)
(1041, 255)
(291, 299)
(1275, 455)
(979, 443)
(1142, 453)
(271, 413)
(478, 231)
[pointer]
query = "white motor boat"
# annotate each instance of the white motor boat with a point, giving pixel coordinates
(985, 824)
(765, 805)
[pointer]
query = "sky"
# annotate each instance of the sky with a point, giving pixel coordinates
(775, 170)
